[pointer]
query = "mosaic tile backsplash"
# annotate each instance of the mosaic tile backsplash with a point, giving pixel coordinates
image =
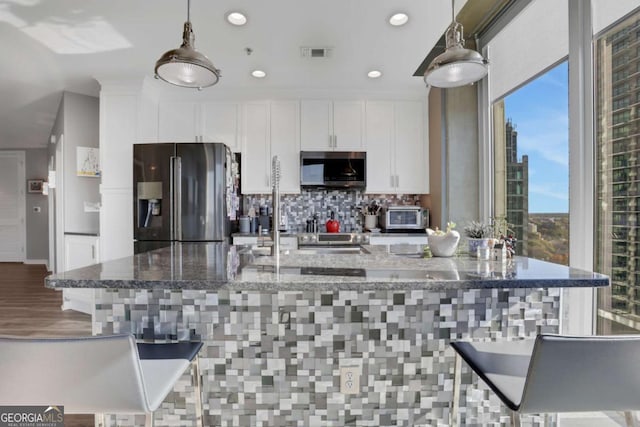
(274, 358)
(298, 208)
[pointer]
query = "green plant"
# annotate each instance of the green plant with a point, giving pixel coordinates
(500, 227)
(450, 226)
(478, 230)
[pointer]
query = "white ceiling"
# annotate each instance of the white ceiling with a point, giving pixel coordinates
(54, 45)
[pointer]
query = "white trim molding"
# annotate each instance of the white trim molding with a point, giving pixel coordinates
(579, 313)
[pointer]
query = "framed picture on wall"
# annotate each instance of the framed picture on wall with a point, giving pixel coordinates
(34, 185)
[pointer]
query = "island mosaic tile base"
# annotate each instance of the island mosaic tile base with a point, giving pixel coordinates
(273, 359)
(300, 207)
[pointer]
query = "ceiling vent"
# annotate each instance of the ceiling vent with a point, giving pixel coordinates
(315, 52)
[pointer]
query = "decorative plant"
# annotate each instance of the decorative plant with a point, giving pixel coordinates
(500, 227)
(450, 226)
(443, 243)
(478, 230)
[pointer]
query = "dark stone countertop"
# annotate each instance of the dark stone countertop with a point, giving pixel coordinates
(214, 266)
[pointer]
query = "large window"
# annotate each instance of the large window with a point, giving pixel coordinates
(617, 165)
(531, 148)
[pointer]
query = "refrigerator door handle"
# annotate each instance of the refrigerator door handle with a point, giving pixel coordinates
(178, 195)
(172, 202)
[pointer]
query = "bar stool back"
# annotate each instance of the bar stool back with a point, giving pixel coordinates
(93, 375)
(557, 373)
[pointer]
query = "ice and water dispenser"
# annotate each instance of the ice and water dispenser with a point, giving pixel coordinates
(149, 204)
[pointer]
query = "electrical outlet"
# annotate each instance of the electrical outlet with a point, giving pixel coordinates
(350, 379)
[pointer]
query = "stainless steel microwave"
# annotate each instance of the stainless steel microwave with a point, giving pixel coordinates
(333, 169)
(402, 218)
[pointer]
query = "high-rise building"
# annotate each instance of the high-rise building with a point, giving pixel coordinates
(617, 154)
(517, 189)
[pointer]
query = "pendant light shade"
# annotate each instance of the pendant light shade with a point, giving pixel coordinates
(185, 66)
(457, 66)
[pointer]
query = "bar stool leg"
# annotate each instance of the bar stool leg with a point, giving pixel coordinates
(515, 419)
(198, 390)
(630, 419)
(455, 410)
(148, 419)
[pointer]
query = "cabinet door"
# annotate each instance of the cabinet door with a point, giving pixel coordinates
(178, 121)
(220, 123)
(411, 166)
(80, 251)
(256, 162)
(348, 124)
(147, 126)
(315, 125)
(285, 143)
(379, 136)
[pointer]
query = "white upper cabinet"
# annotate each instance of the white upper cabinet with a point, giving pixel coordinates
(397, 159)
(380, 137)
(147, 124)
(348, 125)
(186, 121)
(285, 143)
(178, 121)
(221, 123)
(411, 151)
(255, 149)
(271, 128)
(331, 125)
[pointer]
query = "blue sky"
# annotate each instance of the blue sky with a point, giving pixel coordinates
(540, 112)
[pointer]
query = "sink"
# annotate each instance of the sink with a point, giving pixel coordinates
(315, 250)
(329, 250)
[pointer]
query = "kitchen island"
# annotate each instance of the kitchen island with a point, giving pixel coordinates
(278, 331)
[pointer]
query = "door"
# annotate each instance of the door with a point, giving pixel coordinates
(316, 133)
(379, 140)
(178, 121)
(285, 143)
(220, 123)
(348, 123)
(201, 201)
(410, 160)
(12, 206)
(152, 200)
(256, 163)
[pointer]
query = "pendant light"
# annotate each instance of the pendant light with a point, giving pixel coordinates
(185, 66)
(457, 66)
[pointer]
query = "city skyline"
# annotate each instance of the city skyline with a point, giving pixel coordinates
(540, 112)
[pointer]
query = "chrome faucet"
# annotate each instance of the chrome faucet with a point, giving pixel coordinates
(275, 180)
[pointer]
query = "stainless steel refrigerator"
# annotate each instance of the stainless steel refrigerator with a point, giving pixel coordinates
(180, 194)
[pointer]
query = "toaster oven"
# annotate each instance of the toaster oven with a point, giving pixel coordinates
(402, 218)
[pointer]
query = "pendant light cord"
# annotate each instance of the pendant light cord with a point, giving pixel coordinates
(188, 10)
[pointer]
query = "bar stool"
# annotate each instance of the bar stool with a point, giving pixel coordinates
(95, 375)
(556, 373)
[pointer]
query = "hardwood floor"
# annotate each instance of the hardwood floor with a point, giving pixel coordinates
(27, 308)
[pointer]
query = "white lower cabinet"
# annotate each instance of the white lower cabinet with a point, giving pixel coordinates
(79, 251)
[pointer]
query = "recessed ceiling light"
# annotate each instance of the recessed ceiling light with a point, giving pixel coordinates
(258, 74)
(236, 18)
(398, 19)
(374, 74)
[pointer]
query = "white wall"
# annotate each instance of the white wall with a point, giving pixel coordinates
(81, 115)
(37, 222)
